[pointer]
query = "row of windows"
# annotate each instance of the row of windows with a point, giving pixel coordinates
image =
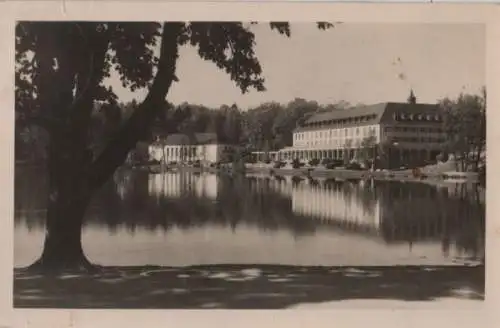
(336, 142)
(180, 152)
(358, 141)
(417, 117)
(366, 131)
(344, 121)
(188, 151)
(408, 129)
(415, 139)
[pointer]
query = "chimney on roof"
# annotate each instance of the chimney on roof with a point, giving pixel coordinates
(412, 99)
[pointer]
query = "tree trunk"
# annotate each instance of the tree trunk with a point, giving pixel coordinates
(163, 161)
(63, 247)
(479, 150)
(455, 154)
(464, 161)
(68, 197)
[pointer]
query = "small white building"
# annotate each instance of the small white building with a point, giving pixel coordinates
(177, 147)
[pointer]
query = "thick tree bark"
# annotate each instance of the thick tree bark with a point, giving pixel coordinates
(68, 198)
(69, 160)
(63, 247)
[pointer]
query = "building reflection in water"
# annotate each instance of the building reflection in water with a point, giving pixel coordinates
(453, 214)
(175, 185)
(337, 202)
(394, 212)
(388, 214)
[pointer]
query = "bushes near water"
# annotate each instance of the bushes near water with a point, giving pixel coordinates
(314, 162)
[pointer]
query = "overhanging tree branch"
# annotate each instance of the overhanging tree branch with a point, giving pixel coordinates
(125, 139)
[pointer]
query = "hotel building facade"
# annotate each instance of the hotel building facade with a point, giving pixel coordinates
(411, 132)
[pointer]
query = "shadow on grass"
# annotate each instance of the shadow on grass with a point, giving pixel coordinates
(242, 286)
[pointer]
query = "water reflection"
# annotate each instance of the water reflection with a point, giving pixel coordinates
(398, 212)
(347, 204)
(175, 185)
(185, 218)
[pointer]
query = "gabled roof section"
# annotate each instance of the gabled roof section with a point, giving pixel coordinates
(206, 138)
(182, 139)
(177, 139)
(366, 114)
(397, 112)
(364, 110)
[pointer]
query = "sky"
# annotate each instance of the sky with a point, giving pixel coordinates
(353, 62)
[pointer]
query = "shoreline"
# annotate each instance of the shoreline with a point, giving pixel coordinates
(233, 286)
(337, 174)
(240, 266)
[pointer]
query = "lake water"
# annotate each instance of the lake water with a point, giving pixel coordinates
(184, 219)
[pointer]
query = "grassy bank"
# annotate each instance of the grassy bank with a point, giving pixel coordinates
(243, 286)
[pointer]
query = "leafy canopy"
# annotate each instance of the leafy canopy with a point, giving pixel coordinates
(58, 63)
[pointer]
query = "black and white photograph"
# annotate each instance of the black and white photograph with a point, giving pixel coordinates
(248, 164)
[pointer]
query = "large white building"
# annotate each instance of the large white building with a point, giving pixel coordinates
(411, 131)
(178, 147)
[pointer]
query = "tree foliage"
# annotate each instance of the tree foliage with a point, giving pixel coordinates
(465, 126)
(368, 145)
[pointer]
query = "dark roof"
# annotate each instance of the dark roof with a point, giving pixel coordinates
(206, 138)
(393, 110)
(371, 114)
(377, 109)
(176, 139)
(195, 139)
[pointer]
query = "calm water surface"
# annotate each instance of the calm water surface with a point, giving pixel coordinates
(183, 219)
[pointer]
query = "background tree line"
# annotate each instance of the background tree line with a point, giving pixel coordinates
(465, 127)
(268, 126)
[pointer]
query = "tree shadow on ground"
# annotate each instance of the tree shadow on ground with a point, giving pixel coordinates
(242, 287)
